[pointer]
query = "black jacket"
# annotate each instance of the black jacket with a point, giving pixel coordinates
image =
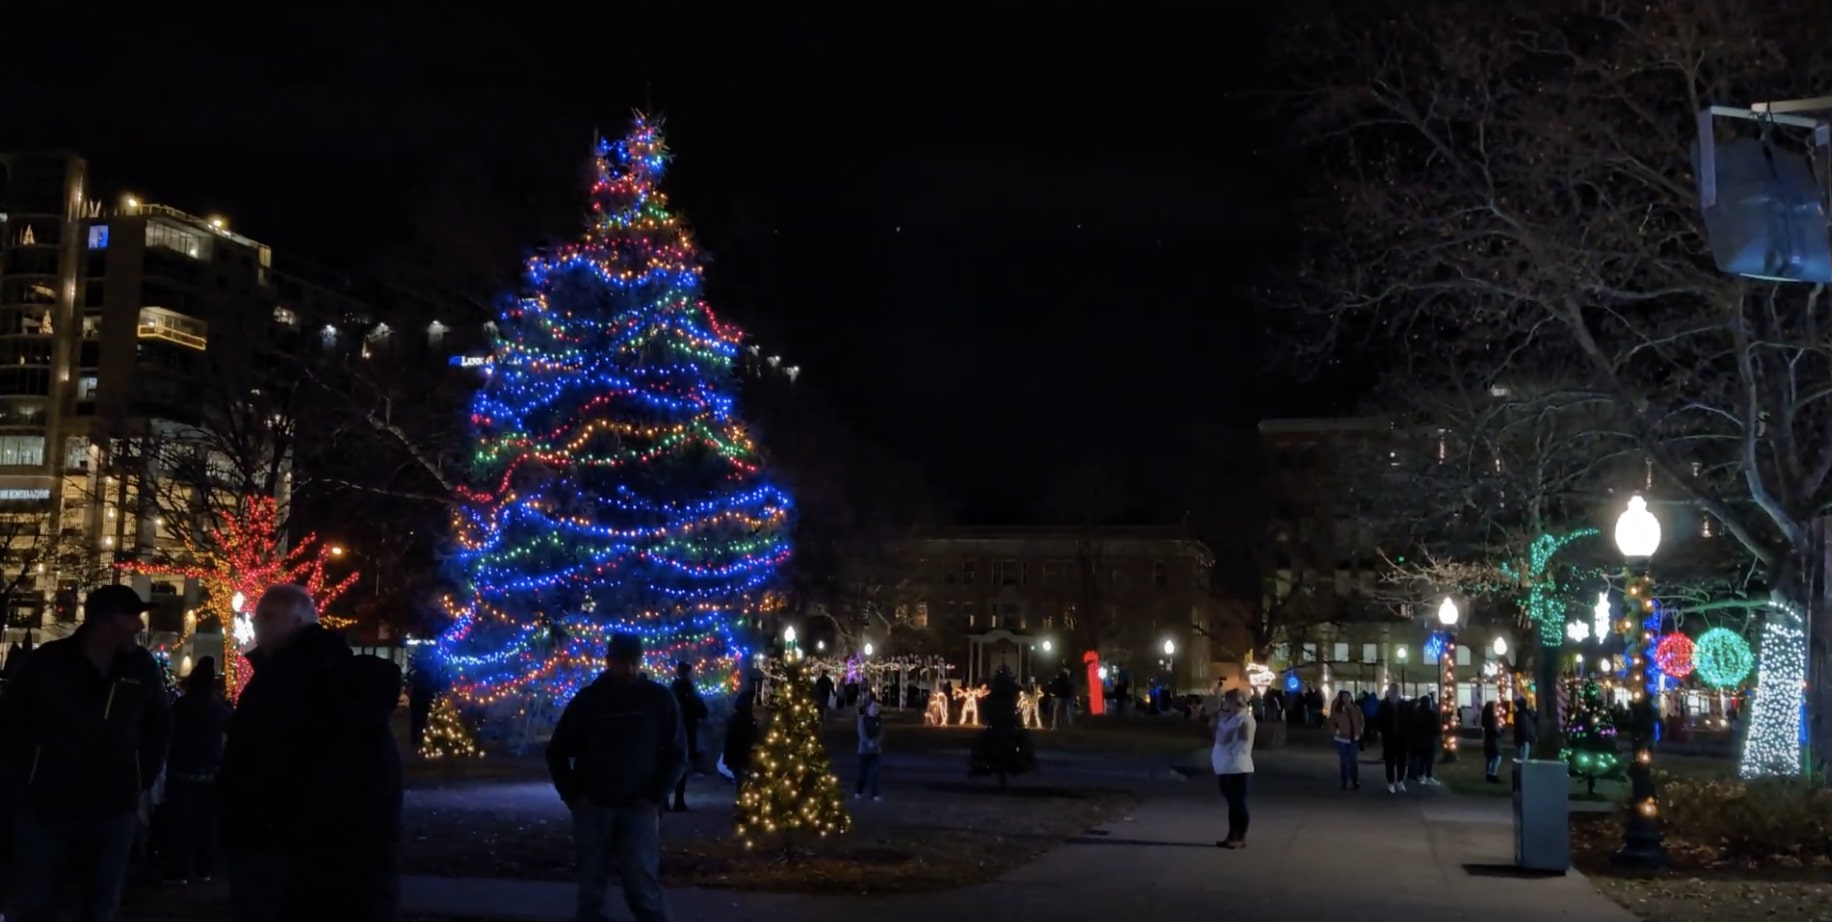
(354, 835)
(198, 721)
(302, 758)
(79, 743)
(740, 739)
(1389, 717)
(1526, 726)
(618, 744)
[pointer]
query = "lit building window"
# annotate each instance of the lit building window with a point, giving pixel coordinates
(98, 237)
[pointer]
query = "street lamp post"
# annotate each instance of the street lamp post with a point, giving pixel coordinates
(1170, 659)
(1448, 615)
(1638, 537)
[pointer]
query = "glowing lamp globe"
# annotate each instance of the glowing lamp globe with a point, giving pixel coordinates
(788, 634)
(868, 649)
(237, 602)
(1637, 531)
(1501, 646)
(1448, 613)
(1046, 646)
(1170, 648)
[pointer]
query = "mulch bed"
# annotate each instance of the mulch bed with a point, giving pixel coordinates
(1699, 886)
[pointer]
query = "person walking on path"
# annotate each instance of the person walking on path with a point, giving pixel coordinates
(1345, 731)
(1491, 743)
(1062, 700)
(1526, 730)
(617, 752)
(199, 720)
(313, 773)
(1393, 749)
(1232, 759)
(741, 737)
(823, 694)
(871, 750)
(1424, 736)
(84, 726)
(693, 710)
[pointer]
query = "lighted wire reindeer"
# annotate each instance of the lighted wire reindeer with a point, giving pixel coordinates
(936, 713)
(970, 705)
(1030, 705)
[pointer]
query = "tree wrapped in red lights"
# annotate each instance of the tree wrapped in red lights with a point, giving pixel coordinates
(237, 559)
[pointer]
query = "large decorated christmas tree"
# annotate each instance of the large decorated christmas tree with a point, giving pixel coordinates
(1591, 750)
(615, 488)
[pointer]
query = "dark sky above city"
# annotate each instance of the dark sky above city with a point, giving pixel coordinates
(999, 245)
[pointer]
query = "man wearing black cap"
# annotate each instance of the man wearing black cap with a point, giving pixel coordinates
(85, 726)
(615, 756)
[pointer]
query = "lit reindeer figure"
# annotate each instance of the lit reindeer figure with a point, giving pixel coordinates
(936, 714)
(970, 705)
(1029, 705)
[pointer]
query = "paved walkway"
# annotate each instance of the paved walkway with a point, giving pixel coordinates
(1313, 850)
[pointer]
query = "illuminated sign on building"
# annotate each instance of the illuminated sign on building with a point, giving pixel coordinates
(25, 494)
(470, 361)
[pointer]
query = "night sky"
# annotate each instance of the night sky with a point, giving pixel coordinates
(1002, 246)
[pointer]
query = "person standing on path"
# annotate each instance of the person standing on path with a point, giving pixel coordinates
(1424, 736)
(1526, 730)
(313, 774)
(823, 694)
(871, 750)
(198, 722)
(1062, 700)
(1491, 743)
(84, 726)
(1391, 720)
(1232, 759)
(1345, 732)
(741, 737)
(693, 710)
(617, 752)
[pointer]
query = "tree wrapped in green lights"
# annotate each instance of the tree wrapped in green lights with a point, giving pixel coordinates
(1548, 593)
(1590, 749)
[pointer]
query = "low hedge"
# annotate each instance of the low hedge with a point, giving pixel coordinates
(1749, 820)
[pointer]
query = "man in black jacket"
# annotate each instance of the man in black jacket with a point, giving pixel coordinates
(616, 753)
(693, 710)
(312, 775)
(86, 722)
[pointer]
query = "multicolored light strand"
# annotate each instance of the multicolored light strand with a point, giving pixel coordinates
(239, 559)
(620, 490)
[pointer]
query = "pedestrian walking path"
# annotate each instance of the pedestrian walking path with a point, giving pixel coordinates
(1312, 849)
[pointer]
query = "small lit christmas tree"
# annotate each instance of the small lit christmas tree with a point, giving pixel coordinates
(1590, 737)
(791, 788)
(447, 735)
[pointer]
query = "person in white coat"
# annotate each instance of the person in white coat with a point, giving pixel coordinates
(1232, 759)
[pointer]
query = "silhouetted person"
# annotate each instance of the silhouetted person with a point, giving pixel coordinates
(693, 710)
(199, 719)
(422, 691)
(823, 693)
(84, 727)
(741, 736)
(616, 753)
(312, 774)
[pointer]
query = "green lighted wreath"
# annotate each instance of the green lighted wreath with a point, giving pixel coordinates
(1723, 658)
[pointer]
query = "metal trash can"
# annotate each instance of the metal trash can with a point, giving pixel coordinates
(1542, 816)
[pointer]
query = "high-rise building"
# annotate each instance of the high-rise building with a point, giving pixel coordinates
(130, 327)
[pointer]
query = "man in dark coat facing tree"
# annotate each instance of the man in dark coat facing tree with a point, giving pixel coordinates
(84, 727)
(615, 756)
(311, 776)
(693, 710)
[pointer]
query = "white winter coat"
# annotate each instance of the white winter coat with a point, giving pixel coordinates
(1233, 752)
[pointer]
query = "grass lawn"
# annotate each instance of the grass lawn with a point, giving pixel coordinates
(1698, 887)
(930, 837)
(1464, 776)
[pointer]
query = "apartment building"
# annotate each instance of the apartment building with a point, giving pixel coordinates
(130, 324)
(1125, 592)
(1338, 623)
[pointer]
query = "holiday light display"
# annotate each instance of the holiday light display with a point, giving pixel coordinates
(1590, 737)
(970, 705)
(936, 713)
(1674, 655)
(447, 736)
(1548, 591)
(236, 561)
(1723, 658)
(1029, 709)
(1772, 746)
(620, 490)
(791, 789)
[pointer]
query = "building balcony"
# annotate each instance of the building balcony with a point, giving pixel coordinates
(172, 327)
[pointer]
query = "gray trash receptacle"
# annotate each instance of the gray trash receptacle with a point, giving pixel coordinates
(1542, 816)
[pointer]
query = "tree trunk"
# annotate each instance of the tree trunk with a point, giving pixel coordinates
(1819, 649)
(1551, 723)
(1771, 744)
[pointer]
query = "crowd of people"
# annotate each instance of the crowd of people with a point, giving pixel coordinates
(302, 778)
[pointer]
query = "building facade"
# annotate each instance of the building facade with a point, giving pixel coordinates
(1337, 621)
(1124, 592)
(133, 335)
